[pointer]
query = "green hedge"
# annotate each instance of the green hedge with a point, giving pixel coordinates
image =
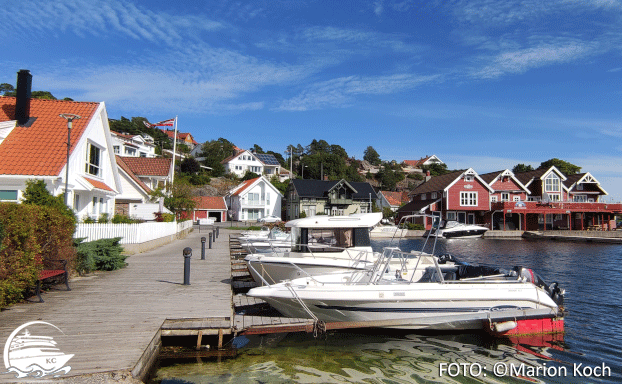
(102, 255)
(33, 236)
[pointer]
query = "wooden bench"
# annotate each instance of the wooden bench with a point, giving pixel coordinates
(49, 273)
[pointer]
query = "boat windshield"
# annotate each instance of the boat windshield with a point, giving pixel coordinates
(329, 239)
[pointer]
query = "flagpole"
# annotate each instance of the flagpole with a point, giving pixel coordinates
(174, 153)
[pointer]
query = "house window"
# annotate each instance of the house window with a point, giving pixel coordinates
(423, 197)
(554, 197)
(468, 178)
(516, 198)
(580, 198)
(309, 210)
(551, 183)
(450, 216)
(468, 199)
(8, 195)
(253, 199)
(493, 199)
(434, 195)
(117, 150)
(505, 196)
(93, 156)
(143, 154)
(76, 202)
(255, 169)
(579, 187)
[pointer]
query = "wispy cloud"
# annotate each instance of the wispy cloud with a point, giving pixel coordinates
(98, 17)
(341, 92)
(520, 61)
(378, 7)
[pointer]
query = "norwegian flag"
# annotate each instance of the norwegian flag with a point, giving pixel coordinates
(165, 123)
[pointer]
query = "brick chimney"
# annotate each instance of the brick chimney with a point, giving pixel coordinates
(427, 175)
(325, 178)
(22, 94)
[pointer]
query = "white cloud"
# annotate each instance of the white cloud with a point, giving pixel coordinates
(521, 61)
(340, 92)
(378, 8)
(99, 17)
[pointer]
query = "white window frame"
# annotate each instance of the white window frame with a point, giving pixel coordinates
(469, 178)
(450, 216)
(516, 198)
(552, 183)
(505, 196)
(96, 167)
(468, 199)
(579, 198)
(493, 199)
(11, 191)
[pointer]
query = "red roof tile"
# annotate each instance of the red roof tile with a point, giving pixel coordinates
(244, 185)
(210, 202)
(132, 175)
(148, 166)
(99, 184)
(395, 198)
(41, 149)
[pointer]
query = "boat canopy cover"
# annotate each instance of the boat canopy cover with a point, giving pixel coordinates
(358, 220)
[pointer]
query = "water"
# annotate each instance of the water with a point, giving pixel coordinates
(590, 273)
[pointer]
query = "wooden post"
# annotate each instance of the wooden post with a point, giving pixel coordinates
(220, 338)
(199, 339)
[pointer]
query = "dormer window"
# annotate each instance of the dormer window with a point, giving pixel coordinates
(551, 183)
(93, 159)
(468, 178)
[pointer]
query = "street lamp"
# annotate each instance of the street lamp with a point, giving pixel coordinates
(302, 173)
(70, 117)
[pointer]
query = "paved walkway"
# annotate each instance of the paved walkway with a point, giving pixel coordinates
(109, 318)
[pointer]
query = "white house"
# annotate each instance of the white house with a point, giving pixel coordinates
(154, 172)
(254, 199)
(245, 160)
(33, 145)
(133, 145)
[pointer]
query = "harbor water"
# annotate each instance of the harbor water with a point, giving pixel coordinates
(590, 350)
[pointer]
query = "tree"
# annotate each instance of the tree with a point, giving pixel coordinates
(216, 151)
(249, 176)
(565, 167)
(36, 193)
(371, 156)
(436, 169)
(42, 95)
(7, 89)
(190, 166)
(518, 168)
(178, 198)
(257, 149)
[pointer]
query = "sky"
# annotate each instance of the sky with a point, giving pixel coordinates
(482, 84)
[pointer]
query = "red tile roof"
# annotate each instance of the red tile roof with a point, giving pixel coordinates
(148, 166)
(416, 163)
(41, 149)
(132, 175)
(98, 184)
(244, 185)
(210, 202)
(395, 198)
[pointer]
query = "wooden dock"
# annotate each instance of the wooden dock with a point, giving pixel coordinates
(113, 321)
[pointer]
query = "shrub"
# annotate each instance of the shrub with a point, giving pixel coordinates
(417, 227)
(103, 255)
(103, 218)
(88, 220)
(123, 219)
(164, 217)
(33, 237)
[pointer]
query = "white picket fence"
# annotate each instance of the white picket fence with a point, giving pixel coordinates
(130, 233)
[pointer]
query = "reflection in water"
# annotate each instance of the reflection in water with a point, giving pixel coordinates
(590, 273)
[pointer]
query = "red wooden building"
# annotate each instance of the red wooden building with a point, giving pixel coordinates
(536, 200)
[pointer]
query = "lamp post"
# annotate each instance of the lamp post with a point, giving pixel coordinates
(302, 173)
(70, 117)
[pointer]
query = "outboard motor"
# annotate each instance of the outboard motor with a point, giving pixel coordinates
(554, 291)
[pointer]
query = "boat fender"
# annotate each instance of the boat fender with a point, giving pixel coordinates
(503, 326)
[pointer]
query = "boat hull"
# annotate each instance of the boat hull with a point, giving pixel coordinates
(433, 306)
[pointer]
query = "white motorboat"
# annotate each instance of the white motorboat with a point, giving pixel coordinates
(429, 296)
(276, 240)
(320, 244)
(450, 229)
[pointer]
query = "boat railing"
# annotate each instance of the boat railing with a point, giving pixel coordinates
(265, 282)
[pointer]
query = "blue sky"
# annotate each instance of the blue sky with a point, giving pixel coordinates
(484, 84)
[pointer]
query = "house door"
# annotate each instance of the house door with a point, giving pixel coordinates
(462, 217)
(471, 218)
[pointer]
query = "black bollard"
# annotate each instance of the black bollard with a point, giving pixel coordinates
(214, 234)
(203, 248)
(210, 240)
(217, 232)
(187, 255)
